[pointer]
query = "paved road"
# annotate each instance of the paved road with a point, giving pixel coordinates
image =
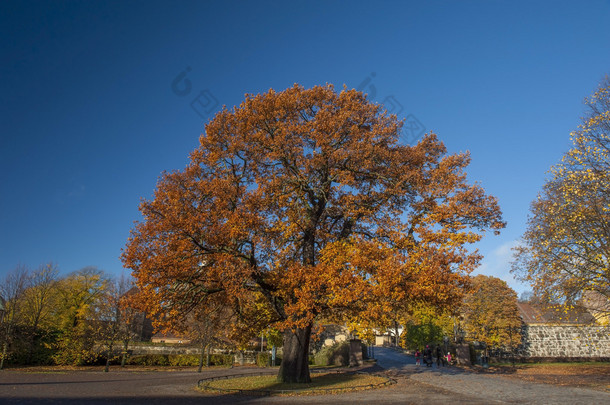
(391, 359)
(415, 385)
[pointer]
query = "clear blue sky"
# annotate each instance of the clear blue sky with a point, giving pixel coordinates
(89, 117)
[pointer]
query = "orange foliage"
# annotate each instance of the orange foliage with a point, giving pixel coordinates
(304, 202)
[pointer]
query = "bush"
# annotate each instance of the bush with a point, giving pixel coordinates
(335, 355)
(221, 360)
(178, 360)
(263, 359)
(149, 360)
(184, 360)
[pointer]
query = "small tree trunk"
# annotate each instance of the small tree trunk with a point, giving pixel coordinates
(273, 354)
(108, 354)
(295, 361)
(4, 348)
(396, 333)
(5, 345)
(201, 357)
(124, 357)
(32, 345)
(207, 356)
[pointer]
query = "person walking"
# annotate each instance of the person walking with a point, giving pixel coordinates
(439, 357)
(428, 356)
(417, 357)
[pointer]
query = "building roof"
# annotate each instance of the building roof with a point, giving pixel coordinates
(534, 314)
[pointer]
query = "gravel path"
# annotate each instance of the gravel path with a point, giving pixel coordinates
(415, 385)
(490, 389)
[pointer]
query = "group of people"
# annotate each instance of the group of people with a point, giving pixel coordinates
(427, 357)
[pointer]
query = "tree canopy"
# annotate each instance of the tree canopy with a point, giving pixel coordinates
(67, 320)
(303, 202)
(491, 315)
(566, 247)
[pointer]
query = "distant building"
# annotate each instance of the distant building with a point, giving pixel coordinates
(598, 305)
(170, 338)
(140, 325)
(332, 334)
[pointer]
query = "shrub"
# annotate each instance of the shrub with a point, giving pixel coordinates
(221, 360)
(149, 360)
(335, 355)
(263, 359)
(189, 360)
(178, 360)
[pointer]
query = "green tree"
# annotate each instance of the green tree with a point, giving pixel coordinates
(77, 303)
(424, 324)
(491, 315)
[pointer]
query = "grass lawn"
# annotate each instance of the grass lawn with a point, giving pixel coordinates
(319, 381)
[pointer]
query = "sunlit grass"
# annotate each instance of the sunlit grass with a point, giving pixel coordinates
(323, 381)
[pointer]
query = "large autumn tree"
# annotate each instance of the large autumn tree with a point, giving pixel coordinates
(566, 248)
(300, 205)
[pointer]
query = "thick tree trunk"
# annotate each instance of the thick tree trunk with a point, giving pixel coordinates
(295, 360)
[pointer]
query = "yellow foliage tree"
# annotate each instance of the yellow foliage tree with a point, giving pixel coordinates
(566, 248)
(491, 315)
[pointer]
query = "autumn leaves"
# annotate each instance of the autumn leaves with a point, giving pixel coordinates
(305, 200)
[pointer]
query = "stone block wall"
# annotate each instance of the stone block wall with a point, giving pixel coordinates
(247, 357)
(563, 341)
(136, 349)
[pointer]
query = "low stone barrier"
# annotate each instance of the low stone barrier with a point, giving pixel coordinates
(246, 357)
(566, 341)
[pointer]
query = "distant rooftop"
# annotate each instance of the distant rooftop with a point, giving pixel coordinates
(532, 314)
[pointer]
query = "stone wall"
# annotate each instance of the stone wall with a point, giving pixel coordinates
(246, 357)
(136, 349)
(562, 341)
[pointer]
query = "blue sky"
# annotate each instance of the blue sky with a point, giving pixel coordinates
(90, 119)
